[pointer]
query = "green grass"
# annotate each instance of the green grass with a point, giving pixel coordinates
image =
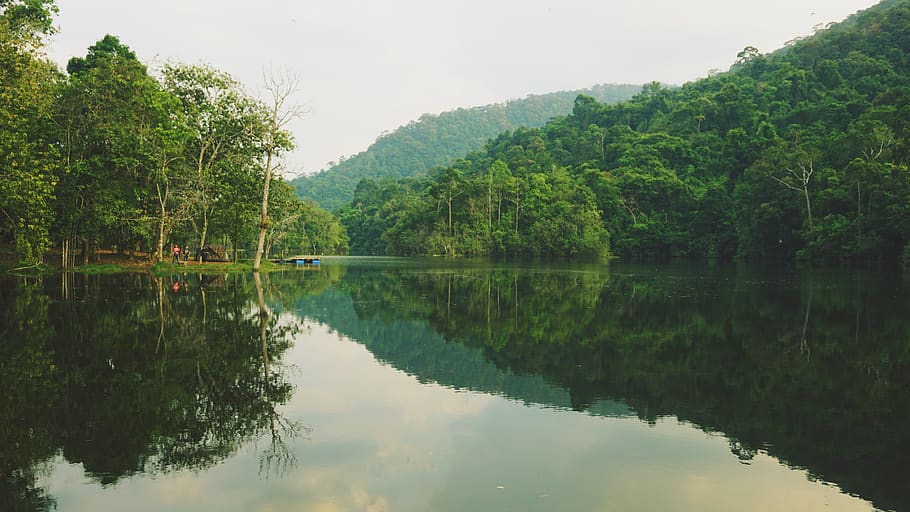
(104, 268)
(211, 268)
(161, 268)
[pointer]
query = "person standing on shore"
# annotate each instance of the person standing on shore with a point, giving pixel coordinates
(175, 249)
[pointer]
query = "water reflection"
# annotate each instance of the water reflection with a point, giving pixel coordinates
(135, 374)
(808, 367)
(119, 376)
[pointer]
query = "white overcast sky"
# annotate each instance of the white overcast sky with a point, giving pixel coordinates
(367, 66)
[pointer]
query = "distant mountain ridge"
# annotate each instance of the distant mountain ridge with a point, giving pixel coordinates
(798, 154)
(437, 140)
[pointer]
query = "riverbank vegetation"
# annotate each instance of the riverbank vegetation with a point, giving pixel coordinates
(110, 155)
(797, 154)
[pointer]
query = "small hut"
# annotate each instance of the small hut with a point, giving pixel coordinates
(214, 253)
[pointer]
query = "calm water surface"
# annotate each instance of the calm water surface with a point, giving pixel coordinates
(412, 385)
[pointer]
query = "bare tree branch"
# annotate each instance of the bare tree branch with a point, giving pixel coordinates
(280, 87)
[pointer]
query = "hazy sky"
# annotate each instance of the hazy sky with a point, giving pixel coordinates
(367, 66)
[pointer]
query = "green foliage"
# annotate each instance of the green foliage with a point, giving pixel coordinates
(221, 156)
(123, 134)
(801, 153)
(298, 227)
(482, 206)
(27, 19)
(435, 140)
(112, 157)
(28, 158)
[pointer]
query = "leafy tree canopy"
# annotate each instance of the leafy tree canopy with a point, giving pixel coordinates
(435, 140)
(800, 153)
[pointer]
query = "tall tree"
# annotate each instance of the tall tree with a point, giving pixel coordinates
(448, 188)
(276, 140)
(123, 135)
(28, 161)
(222, 122)
(793, 168)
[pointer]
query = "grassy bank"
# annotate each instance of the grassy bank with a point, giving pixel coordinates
(210, 268)
(160, 268)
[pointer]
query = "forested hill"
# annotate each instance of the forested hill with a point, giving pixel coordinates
(800, 153)
(436, 140)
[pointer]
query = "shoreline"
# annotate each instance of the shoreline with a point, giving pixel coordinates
(130, 266)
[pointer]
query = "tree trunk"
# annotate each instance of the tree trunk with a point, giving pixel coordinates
(516, 211)
(205, 230)
(269, 243)
(808, 204)
(449, 203)
(499, 209)
(859, 217)
(159, 253)
(162, 220)
(280, 89)
(264, 223)
(490, 206)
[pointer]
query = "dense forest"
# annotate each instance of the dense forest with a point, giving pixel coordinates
(108, 155)
(437, 140)
(797, 154)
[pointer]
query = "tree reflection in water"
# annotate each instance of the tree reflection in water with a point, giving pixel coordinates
(125, 374)
(277, 458)
(135, 374)
(808, 367)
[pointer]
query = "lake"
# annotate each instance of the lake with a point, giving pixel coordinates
(369, 384)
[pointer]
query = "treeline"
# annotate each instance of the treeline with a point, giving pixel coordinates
(108, 156)
(437, 140)
(802, 153)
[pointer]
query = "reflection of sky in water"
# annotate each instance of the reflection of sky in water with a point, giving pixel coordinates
(380, 441)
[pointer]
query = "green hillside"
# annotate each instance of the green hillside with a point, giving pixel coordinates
(801, 153)
(435, 140)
